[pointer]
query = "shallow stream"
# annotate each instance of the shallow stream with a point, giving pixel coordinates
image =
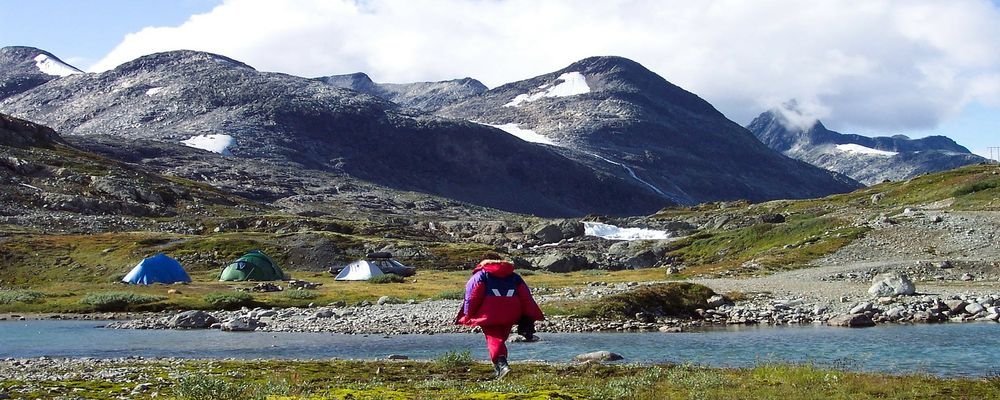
(971, 349)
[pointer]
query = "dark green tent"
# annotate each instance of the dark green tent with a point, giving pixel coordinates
(253, 266)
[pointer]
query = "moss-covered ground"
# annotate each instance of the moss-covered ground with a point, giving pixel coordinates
(470, 380)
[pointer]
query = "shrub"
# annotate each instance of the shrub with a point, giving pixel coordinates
(300, 294)
(199, 386)
(454, 359)
(19, 296)
(229, 300)
(117, 301)
(977, 187)
(387, 278)
(665, 299)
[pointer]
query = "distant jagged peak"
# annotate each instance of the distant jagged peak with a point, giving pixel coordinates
(45, 62)
(175, 58)
(799, 117)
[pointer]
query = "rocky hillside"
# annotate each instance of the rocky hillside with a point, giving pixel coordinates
(47, 185)
(221, 105)
(617, 116)
(424, 96)
(869, 160)
(23, 68)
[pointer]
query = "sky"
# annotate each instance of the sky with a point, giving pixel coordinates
(872, 67)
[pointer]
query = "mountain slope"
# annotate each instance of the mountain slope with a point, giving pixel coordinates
(49, 185)
(869, 160)
(618, 116)
(23, 68)
(213, 102)
(424, 96)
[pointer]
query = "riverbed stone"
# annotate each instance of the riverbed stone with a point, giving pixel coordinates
(242, 324)
(892, 284)
(717, 301)
(195, 319)
(603, 355)
(974, 308)
(851, 321)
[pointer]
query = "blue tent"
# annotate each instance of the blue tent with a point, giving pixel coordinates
(157, 269)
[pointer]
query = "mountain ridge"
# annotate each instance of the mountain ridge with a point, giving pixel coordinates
(869, 160)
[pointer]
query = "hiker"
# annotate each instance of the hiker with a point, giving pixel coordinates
(496, 298)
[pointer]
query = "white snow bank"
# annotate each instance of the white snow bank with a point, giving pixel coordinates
(615, 233)
(154, 91)
(214, 143)
(526, 135)
(859, 149)
(51, 66)
(573, 83)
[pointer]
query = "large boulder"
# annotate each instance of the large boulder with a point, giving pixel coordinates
(851, 321)
(240, 324)
(598, 356)
(559, 262)
(556, 231)
(892, 284)
(195, 319)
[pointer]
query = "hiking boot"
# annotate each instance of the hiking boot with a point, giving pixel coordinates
(501, 367)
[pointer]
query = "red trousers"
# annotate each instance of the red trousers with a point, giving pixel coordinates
(496, 340)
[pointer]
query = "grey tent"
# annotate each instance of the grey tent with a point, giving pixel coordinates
(373, 265)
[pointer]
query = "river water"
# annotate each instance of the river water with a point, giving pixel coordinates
(971, 349)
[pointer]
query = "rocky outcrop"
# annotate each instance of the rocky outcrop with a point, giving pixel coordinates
(869, 160)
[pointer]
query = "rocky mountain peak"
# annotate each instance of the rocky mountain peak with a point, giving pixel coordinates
(358, 81)
(23, 68)
(186, 60)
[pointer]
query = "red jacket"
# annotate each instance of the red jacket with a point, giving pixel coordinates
(495, 295)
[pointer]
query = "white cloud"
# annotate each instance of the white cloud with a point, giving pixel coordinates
(878, 65)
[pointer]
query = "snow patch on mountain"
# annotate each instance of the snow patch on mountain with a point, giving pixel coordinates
(570, 84)
(859, 149)
(526, 135)
(214, 143)
(154, 91)
(615, 233)
(51, 66)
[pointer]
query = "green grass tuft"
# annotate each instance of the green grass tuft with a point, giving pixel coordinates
(387, 278)
(118, 301)
(454, 359)
(229, 300)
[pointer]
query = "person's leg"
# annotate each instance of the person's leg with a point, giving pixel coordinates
(496, 341)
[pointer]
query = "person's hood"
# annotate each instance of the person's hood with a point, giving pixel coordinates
(497, 268)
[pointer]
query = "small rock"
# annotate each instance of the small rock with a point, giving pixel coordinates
(671, 329)
(598, 356)
(142, 387)
(397, 357)
(967, 277)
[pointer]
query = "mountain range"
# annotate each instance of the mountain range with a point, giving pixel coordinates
(602, 136)
(869, 160)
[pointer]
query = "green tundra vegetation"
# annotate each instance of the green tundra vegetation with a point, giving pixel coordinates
(456, 376)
